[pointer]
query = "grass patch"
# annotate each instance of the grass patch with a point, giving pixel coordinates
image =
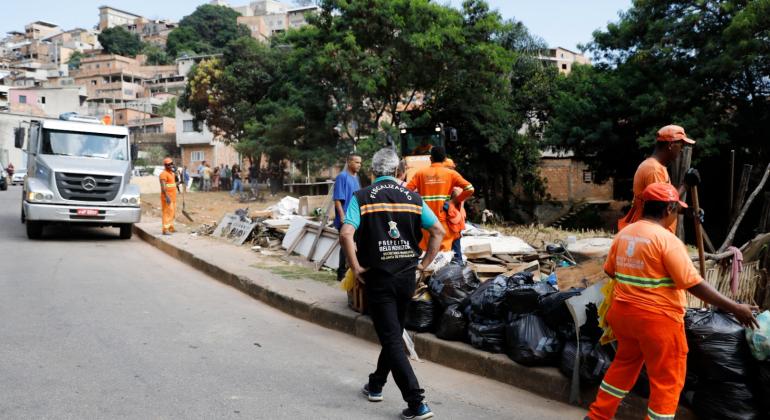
(296, 272)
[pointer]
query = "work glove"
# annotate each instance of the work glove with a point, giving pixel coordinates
(168, 200)
(700, 214)
(692, 178)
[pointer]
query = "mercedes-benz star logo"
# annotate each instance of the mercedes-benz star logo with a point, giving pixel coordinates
(88, 183)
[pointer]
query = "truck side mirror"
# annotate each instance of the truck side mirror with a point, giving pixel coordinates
(18, 137)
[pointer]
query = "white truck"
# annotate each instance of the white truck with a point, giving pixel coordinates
(78, 172)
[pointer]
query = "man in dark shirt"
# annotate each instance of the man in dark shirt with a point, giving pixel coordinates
(381, 238)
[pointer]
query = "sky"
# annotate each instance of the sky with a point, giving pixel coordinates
(562, 23)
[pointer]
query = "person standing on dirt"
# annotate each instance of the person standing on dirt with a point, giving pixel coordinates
(275, 179)
(670, 141)
(167, 196)
(254, 179)
(226, 178)
(651, 271)
(207, 174)
(381, 236)
(345, 185)
(236, 180)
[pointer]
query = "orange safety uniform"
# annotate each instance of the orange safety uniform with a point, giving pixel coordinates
(652, 270)
(435, 184)
(168, 183)
(649, 172)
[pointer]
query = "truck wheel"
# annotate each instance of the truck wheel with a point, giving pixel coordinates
(126, 231)
(34, 229)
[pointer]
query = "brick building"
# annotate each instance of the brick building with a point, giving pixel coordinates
(570, 180)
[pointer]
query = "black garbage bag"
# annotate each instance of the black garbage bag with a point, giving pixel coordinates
(591, 329)
(453, 324)
(718, 348)
(554, 310)
(595, 365)
(763, 387)
(420, 313)
(530, 342)
(594, 361)
(488, 301)
(522, 278)
(725, 401)
(525, 298)
(487, 334)
(452, 285)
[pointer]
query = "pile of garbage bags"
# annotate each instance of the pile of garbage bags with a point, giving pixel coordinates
(728, 366)
(526, 319)
(721, 369)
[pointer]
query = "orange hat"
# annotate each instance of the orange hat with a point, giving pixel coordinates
(662, 191)
(673, 133)
(449, 163)
(167, 161)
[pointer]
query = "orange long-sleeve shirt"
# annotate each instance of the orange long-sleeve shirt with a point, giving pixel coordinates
(649, 171)
(435, 184)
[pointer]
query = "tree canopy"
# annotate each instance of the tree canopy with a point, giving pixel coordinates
(345, 78)
(117, 40)
(704, 65)
(207, 30)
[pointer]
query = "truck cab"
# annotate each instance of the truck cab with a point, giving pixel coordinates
(416, 144)
(78, 172)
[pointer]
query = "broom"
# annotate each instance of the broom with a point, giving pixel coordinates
(184, 210)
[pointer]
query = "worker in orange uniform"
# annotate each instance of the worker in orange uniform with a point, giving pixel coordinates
(652, 271)
(168, 196)
(671, 140)
(435, 184)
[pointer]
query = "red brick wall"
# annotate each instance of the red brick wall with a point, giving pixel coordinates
(564, 181)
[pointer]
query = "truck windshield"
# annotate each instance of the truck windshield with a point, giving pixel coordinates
(420, 142)
(94, 145)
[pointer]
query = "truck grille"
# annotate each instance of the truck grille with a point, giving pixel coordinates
(72, 187)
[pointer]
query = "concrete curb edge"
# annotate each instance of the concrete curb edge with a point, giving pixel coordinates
(547, 382)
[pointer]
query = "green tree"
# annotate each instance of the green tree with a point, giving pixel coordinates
(117, 40)
(346, 75)
(168, 108)
(156, 56)
(74, 61)
(207, 30)
(704, 65)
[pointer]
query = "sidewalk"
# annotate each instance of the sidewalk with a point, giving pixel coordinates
(326, 305)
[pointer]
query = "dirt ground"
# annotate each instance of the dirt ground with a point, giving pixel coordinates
(206, 208)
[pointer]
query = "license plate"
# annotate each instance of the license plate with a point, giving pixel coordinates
(88, 212)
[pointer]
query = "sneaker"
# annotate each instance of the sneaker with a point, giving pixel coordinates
(420, 413)
(372, 396)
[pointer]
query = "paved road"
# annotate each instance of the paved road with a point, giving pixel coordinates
(95, 327)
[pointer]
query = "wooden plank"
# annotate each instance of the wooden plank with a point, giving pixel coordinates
(507, 258)
(743, 188)
(487, 268)
(296, 241)
(477, 251)
(324, 221)
(328, 254)
(530, 267)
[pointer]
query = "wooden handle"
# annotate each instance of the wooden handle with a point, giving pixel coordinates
(698, 231)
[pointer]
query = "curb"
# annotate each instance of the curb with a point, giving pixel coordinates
(547, 382)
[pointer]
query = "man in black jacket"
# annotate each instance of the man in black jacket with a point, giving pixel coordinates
(381, 237)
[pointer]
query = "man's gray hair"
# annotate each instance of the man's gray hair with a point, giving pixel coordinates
(385, 162)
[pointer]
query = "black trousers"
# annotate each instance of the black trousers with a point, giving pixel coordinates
(387, 298)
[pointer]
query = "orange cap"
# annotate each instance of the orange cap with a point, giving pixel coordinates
(673, 133)
(167, 161)
(449, 163)
(662, 191)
